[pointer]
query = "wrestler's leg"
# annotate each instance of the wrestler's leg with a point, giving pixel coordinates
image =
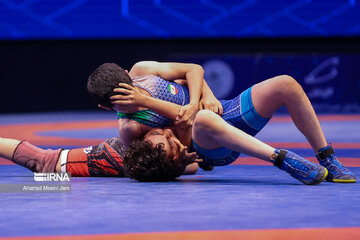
(211, 132)
(58, 166)
(269, 95)
(27, 155)
(273, 93)
(7, 147)
(104, 159)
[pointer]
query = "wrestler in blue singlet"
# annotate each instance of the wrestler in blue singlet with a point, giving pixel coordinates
(239, 112)
(160, 89)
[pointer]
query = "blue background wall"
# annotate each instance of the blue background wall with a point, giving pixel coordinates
(96, 19)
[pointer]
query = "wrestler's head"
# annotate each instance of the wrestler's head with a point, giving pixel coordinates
(103, 80)
(158, 157)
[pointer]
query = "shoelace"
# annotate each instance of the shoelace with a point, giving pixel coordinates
(335, 163)
(297, 164)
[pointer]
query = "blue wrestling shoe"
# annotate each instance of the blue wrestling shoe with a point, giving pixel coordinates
(337, 172)
(303, 170)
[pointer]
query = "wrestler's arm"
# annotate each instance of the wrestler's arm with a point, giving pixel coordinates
(207, 99)
(130, 130)
(167, 109)
(204, 90)
(131, 96)
(201, 96)
(193, 73)
(170, 110)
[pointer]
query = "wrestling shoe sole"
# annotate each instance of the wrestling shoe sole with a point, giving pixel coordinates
(342, 180)
(326, 174)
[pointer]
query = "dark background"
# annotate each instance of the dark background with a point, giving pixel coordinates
(49, 48)
(52, 75)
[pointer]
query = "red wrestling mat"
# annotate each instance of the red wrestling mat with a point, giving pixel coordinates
(273, 234)
(322, 118)
(30, 132)
(336, 145)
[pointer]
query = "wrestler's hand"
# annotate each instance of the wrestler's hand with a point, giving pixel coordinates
(188, 158)
(186, 116)
(128, 99)
(210, 102)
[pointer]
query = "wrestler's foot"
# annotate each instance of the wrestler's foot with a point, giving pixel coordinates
(303, 170)
(337, 172)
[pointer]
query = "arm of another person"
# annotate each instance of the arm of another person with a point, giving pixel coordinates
(192, 73)
(208, 100)
(170, 110)
(131, 96)
(130, 129)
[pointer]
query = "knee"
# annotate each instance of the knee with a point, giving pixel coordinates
(288, 87)
(204, 120)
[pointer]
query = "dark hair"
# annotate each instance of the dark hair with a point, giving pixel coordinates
(103, 80)
(146, 163)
